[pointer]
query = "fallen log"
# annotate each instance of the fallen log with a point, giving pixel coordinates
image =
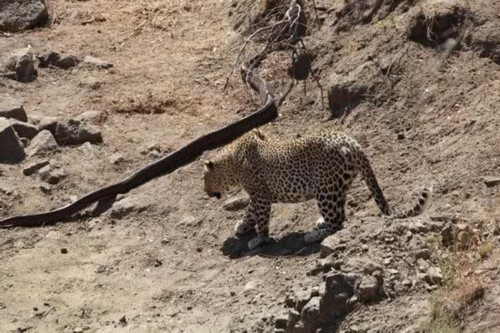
(169, 163)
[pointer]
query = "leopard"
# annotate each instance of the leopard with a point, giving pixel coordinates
(319, 166)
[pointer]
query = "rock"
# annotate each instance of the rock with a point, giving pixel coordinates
(485, 39)
(12, 110)
(235, 204)
(64, 250)
(422, 265)
(407, 283)
(46, 188)
(371, 267)
(54, 59)
(293, 318)
(310, 315)
(17, 15)
(331, 244)
(422, 254)
(52, 174)
(42, 144)
(126, 206)
(34, 167)
(74, 132)
(47, 123)
(418, 227)
(491, 181)
(103, 64)
(339, 288)
(11, 148)
(301, 298)
(464, 240)
(21, 63)
(368, 289)
(78, 330)
(280, 321)
(434, 276)
(123, 321)
(24, 130)
(116, 158)
(448, 234)
(91, 117)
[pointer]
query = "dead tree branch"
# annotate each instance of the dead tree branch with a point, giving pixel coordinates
(169, 163)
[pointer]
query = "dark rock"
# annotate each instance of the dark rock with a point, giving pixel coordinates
(74, 132)
(293, 319)
(34, 167)
(339, 288)
(21, 63)
(24, 130)
(54, 59)
(11, 148)
(281, 321)
(64, 250)
(52, 174)
(310, 315)
(301, 297)
(92, 61)
(369, 289)
(448, 234)
(491, 181)
(235, 204)
(46, 188)
(12, 110)
(42, 144)
(17, 15)
(422, 254)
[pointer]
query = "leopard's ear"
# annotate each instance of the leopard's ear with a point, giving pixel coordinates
(209, 165)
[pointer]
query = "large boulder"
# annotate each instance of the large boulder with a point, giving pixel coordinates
(11, 148)
(17, 15)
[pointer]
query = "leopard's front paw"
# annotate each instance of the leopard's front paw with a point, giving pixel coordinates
(257, 241)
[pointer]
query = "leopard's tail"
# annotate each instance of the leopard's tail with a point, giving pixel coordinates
(371, 181)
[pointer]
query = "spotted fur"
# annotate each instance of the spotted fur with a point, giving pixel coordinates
(321, 166)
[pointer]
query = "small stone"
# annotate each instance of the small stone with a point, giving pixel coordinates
(368, 289)
(21, 63)
(78, 330)
(464, 240)
(235, 204)
(422, 254)
(232, 293)
(34, 167)
(123, 320)
(42, 144)
(52, 174)
(434, 276)
(387, 261)
(491, 181)
(46, 188)
(422, 265)
(364, 248)
(371, 267)
(54, 59)
(11, 148)
(407, 283)
(116, 158)
(12, 109)
(89, 60)
(91, 116)
(64, 250)
(448, 234)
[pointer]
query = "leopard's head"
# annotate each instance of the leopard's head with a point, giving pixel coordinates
(218, 178)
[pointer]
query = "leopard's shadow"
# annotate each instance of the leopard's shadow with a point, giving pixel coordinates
(289, 245)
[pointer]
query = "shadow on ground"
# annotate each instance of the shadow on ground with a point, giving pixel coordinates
(290, 245)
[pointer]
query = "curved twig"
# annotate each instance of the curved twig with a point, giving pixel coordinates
(169, 163)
